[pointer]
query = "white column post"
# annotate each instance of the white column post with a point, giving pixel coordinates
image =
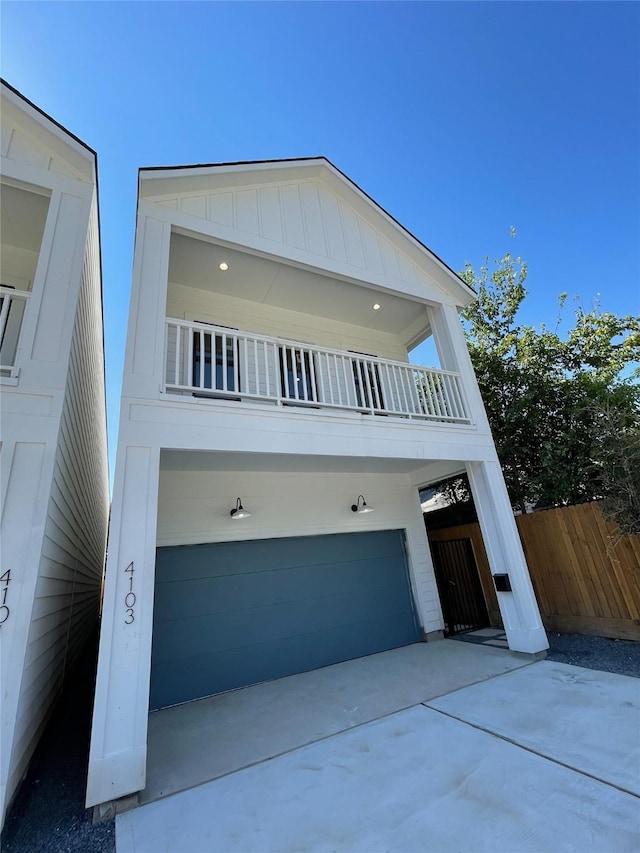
(519, 609)
(118, 756)
(454, 355)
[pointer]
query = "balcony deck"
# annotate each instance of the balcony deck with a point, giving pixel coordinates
(213, 361)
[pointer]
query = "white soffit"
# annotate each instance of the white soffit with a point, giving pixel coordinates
(210, 461)
(195, 263)
(309, 207)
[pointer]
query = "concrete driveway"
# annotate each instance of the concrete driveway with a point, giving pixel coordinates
(535, 757)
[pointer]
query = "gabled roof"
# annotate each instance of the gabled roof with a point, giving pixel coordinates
(207, 191)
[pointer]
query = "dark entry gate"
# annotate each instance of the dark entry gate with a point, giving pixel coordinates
(461, 595)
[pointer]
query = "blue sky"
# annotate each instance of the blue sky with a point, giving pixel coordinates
(460, 119)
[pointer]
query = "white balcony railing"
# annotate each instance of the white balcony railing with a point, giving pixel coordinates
(213, 361)
(12, 305)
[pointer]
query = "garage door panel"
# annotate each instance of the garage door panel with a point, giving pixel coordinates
(201, 635)
(202, 596)
(179, 681)
(196, 560)
(231, 614)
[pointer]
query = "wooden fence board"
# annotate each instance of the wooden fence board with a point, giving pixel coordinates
(601, 594)
(583, 582)
(621, 568)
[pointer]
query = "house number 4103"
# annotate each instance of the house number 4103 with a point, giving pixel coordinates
(129, 598)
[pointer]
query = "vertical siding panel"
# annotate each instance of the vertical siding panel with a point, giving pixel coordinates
(389, 258)
(371, 248)
(247, 218)
(152, 245)
(336, 248)
(171, 203)
(6, 132)
(407, 269)
(271, 214)
(56, 295)
(292, 215)
(221, 208)
(313, 219)
(195, 206)
(352, 238)
(26, 150)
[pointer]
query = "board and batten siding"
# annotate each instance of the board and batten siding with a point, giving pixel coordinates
(189, 303)
(24, 140)
(67, 596)
(306, 216)
(193, 508)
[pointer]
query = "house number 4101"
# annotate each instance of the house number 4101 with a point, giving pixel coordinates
(130, 598)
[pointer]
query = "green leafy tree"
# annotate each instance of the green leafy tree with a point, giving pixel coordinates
(617, 467)
(546, 394)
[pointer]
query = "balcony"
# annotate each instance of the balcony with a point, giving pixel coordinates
(211, 361)
(12, 305)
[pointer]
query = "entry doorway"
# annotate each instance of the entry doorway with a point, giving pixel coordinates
(463, 604)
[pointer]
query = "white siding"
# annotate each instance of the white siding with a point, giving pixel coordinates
(308, 216)
(25, 140)
(67, 594)
(187, 303)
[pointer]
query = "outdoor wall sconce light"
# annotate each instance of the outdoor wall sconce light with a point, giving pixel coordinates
(361, 505)
(239, 511)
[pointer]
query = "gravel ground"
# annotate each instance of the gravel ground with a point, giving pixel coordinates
(48, 815)
(620, 656)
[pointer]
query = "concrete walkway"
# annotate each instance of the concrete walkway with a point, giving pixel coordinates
(545, 757)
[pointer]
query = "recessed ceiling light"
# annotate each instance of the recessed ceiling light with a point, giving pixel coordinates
(376, 307)
(224, 266)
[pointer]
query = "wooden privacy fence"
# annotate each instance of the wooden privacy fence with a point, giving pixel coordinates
(584, 584)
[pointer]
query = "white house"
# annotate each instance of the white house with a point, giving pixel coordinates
(267, 403)
(53, 456)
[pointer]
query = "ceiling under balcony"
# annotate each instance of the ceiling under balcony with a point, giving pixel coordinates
(195, 262)
(24, 214)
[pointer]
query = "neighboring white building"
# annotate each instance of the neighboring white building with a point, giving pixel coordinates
(273, 308)
(53, 456)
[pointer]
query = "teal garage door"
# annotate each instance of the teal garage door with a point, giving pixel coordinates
(231, 614)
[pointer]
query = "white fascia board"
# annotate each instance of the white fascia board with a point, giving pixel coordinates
(160, 181)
